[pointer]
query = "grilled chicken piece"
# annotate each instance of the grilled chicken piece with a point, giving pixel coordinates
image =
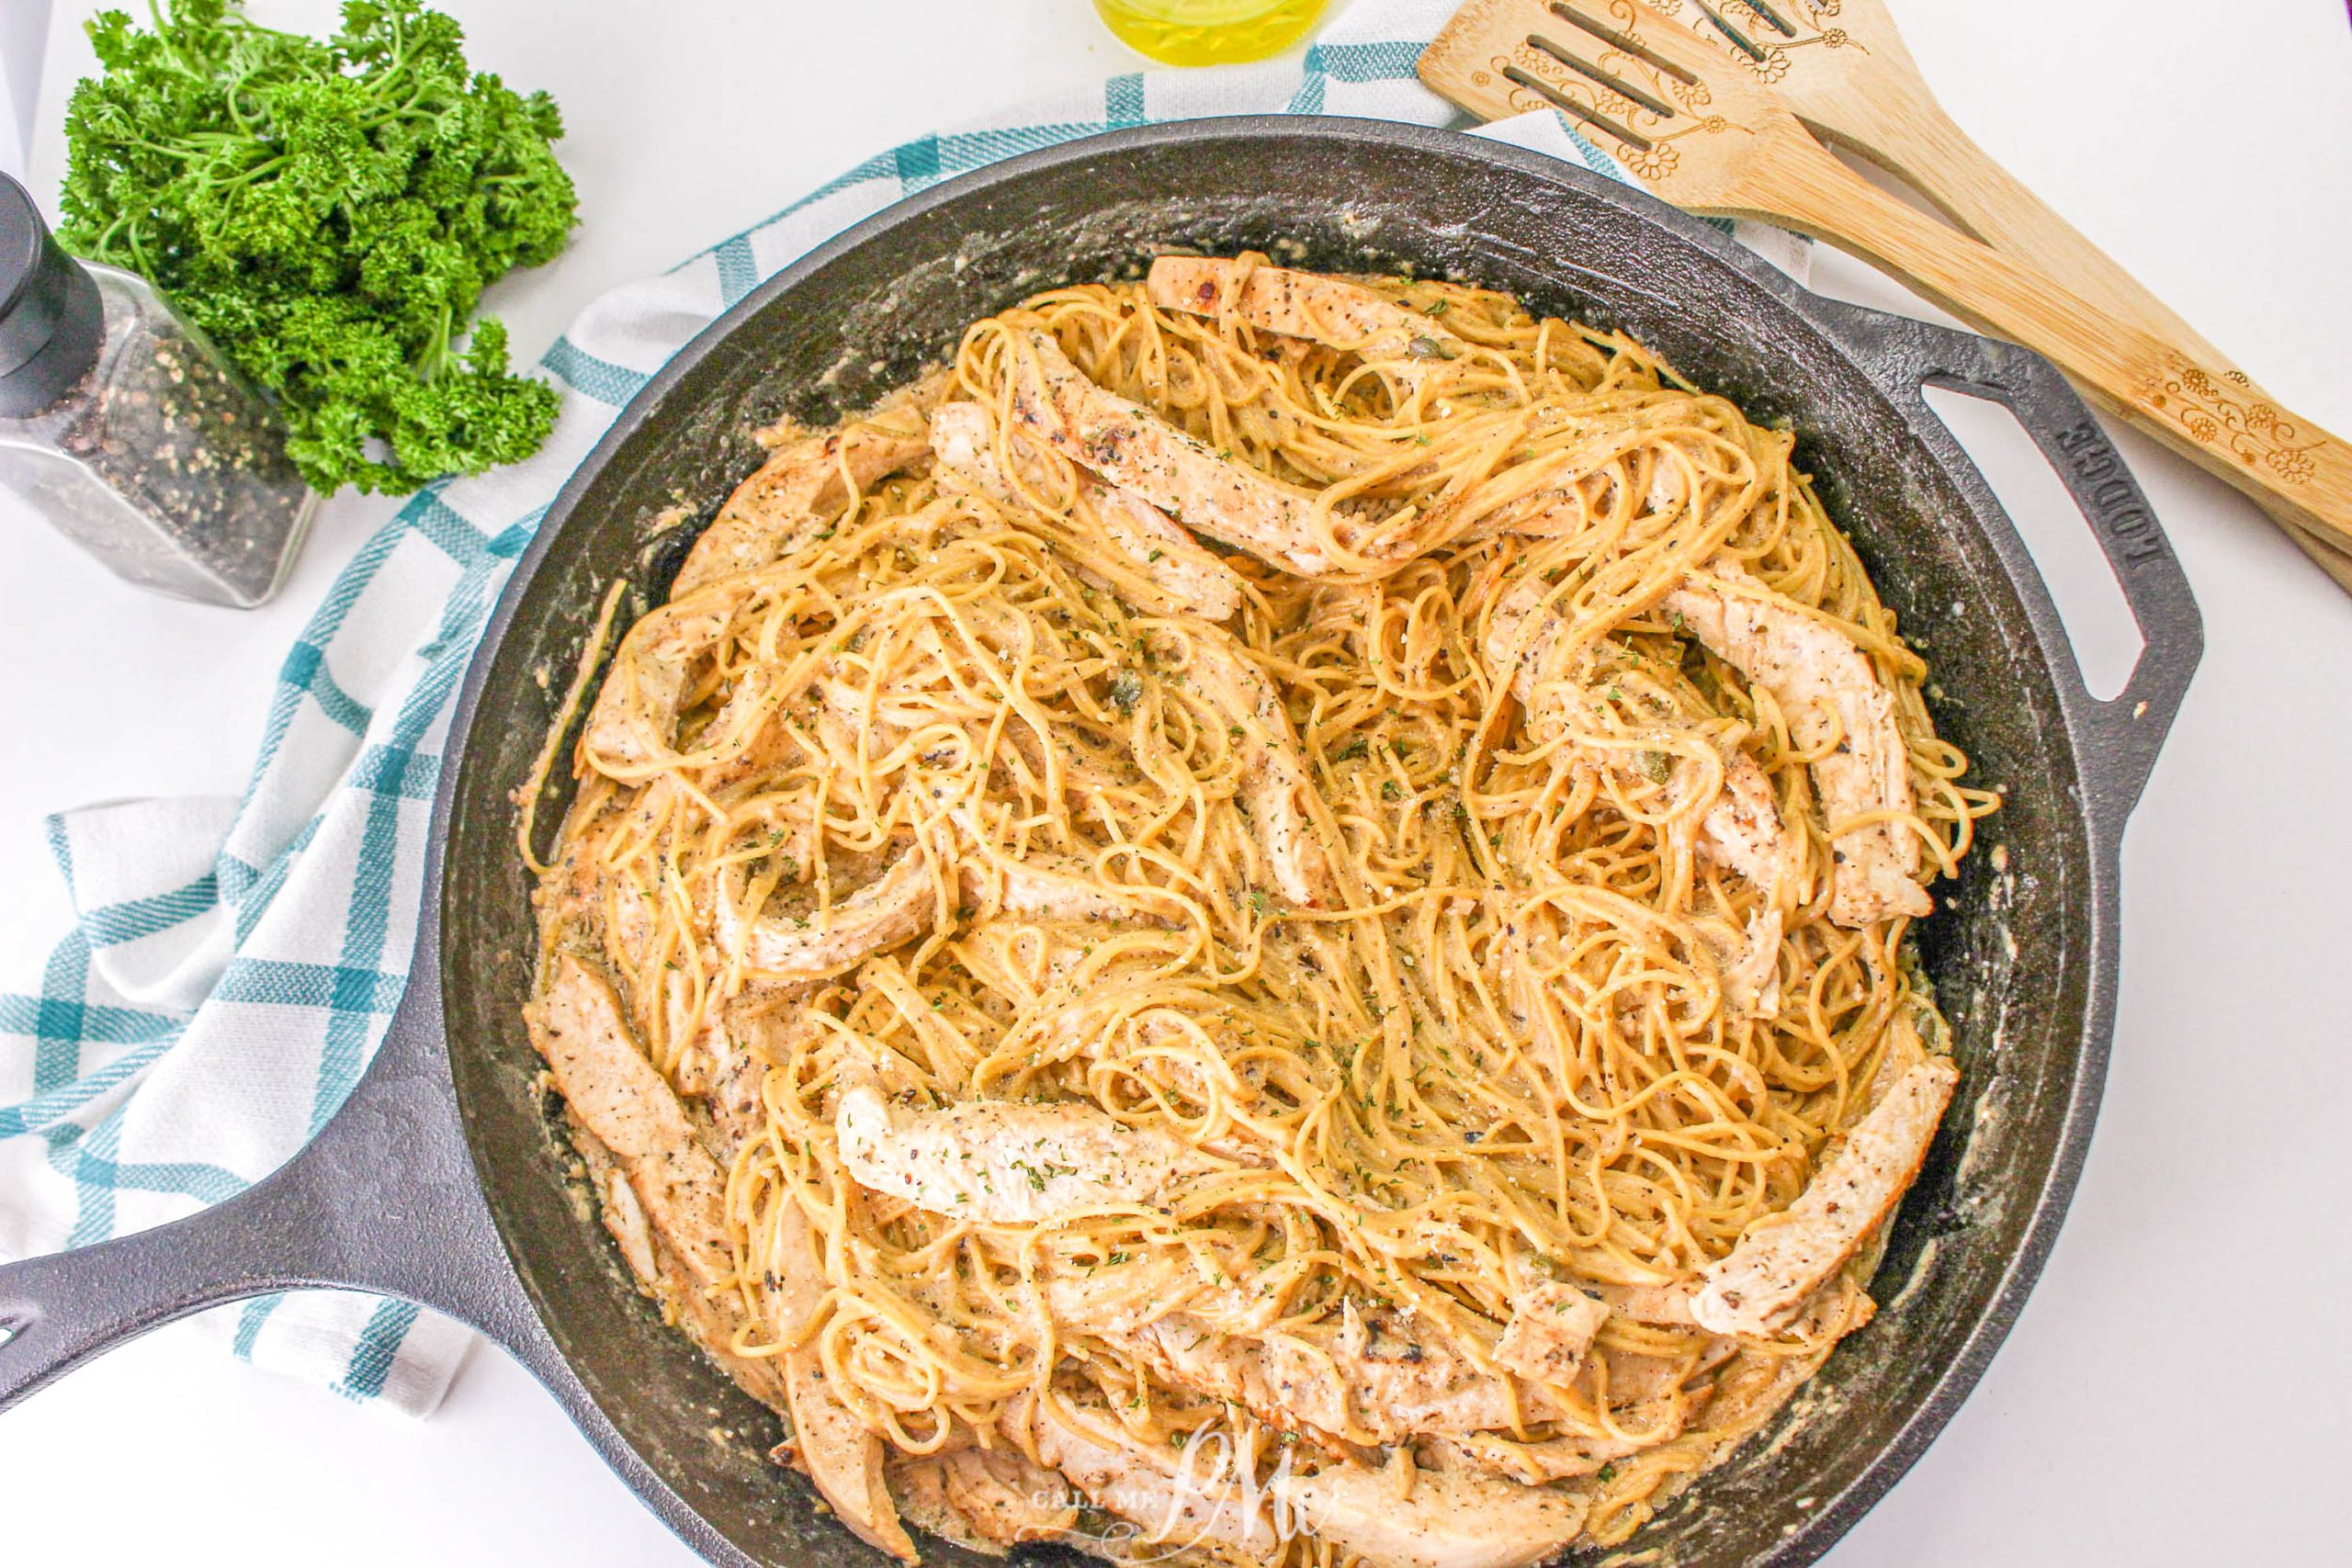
(1432, 1519)
(1551, 1327)
(1741, 827)
(624, 1101)
(673, 1231)
(1666, 1306)
(664, 1196)
(1001, 1162)
(1747, 961)
(1134, 449)
(1646, 1424)
(623, 1215)
(1827, 687)
(1382, 1376)
(1785, 1257)
(1176, 1499)
(1276, 785)
(1744, 830)
(635, 719)
(1006, 1499)
(1186, 571)
(963, 437)
(1330, 310)
(807, 483)
(918, 1486)
(737, 1051)
(841, 1457)
(894, 908)
(1043, 885)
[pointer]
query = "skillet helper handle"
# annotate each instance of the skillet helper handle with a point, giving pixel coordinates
(383, 1200)
(2128, 730)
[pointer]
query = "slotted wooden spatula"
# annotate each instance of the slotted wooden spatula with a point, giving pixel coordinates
(1719, 125)
(1847, 76)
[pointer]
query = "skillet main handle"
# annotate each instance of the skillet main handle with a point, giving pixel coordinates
(2127, 731)
(60, 1310)
(383, 1200)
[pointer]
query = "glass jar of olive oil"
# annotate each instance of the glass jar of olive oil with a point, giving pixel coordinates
(1209, 32)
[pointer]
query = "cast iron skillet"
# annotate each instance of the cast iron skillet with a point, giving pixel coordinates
(442, 1180)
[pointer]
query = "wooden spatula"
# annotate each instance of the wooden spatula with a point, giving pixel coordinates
(1847, 76)
(1718, 125)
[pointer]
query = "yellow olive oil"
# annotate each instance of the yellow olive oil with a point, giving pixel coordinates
(1209, 32)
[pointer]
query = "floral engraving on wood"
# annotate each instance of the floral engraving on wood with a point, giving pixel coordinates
(2224, 413)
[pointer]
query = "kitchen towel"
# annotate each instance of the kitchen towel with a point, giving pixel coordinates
(235, 962)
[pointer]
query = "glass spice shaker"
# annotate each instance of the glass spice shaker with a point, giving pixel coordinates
(125, 427)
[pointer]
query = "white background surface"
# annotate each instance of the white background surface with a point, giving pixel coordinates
(2176, 1391)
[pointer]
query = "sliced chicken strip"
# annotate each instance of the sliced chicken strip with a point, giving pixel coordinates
(1436, 1518)
(1134, 449)
(1748, 962)
(621, 1097)
(895, 906)
(919, 1490)
(665, 1197)
(623, 1215)
(963, 437)
(739, 1050)
(1744, 830)
(1320, 308)
(635, 719)
(1002, 1162)
(1784, 1258)
(1827, 687)
(829, 1443)
(1044, 885)
(1276, 785)
(1647, 1424)
(1379, 1377)
(841, 1457)
(1051, 888)
(1551, 1327)
(1185, 571)
(1742, 827)
(1007, 1499)
(1666, 1306)
(807, 483)
(1178, 1499)
(963, 440)
(1903, 1050)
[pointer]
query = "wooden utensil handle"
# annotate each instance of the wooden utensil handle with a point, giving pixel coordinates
(1924, 146)
(2209, 414)
(1917, 140)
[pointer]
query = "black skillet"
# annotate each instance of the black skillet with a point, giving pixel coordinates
(443, 1180)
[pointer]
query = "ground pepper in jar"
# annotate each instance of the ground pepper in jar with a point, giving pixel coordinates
(124, 426)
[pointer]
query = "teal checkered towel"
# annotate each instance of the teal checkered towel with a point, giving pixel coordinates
(235, 962)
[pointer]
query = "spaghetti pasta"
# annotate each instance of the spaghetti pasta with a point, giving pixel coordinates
(1252, 920)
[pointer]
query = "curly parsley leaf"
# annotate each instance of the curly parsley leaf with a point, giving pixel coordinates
(329, 212)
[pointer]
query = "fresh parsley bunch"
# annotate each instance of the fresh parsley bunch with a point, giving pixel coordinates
(329, 212)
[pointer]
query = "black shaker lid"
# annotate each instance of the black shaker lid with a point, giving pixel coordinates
(51, 322)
